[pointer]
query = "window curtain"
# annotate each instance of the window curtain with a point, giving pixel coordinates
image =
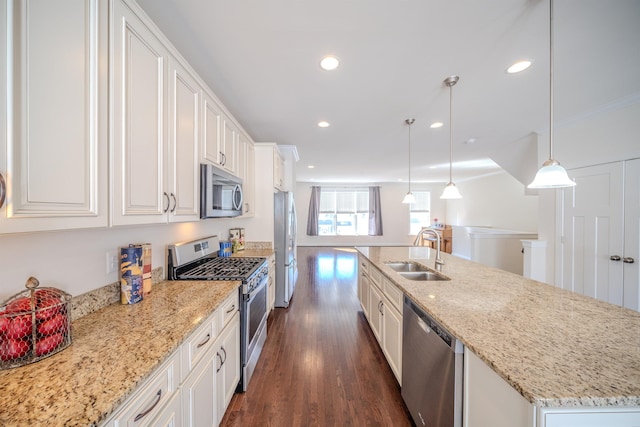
(314, 212)
(375, 212)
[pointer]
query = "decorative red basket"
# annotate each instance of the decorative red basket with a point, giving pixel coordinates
(34, 324)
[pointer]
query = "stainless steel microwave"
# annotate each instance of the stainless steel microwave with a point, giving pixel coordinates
(220, 193)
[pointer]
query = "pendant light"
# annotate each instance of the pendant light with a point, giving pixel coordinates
(409, 198)
(551, 174)
(451, 191)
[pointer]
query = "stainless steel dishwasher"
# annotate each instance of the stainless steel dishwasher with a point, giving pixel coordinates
(431, 370)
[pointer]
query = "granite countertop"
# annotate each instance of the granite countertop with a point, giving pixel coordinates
(555, 347)
(114, 349)
(254, 253)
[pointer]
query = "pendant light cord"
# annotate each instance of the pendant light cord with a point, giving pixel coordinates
(550, 79)
(409, 122)
(451, 133)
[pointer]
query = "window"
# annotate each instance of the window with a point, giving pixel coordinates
(419, 215)
(343, 212)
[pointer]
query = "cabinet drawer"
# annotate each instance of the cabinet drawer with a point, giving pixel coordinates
(376, 277)
(228, 308)
(393, 294)
(198, 343)
(151, 399)
(363, 264)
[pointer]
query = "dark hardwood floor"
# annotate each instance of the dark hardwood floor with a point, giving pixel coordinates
(321, 364)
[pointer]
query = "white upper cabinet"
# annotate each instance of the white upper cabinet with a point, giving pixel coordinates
(54, 117)
(183, 178)
(139, 129)
(246, 171)
(155, 138)
(229, 147)
(219, 136)
(211, 129)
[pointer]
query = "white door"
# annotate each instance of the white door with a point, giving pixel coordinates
(593, 233)
(631, 253)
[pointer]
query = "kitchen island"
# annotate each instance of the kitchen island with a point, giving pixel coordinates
(113, 351)
(557, 349)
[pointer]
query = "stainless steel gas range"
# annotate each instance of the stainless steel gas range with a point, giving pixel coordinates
(199, 260)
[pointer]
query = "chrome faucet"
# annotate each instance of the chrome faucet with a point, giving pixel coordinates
(439, 261)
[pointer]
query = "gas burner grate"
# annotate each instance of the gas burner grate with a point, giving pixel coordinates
(223, 269)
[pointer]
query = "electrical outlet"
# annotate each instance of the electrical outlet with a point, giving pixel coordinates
(112, 262)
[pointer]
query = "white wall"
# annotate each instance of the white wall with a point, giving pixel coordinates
(395, 215)
(497, 201)
(75, 261)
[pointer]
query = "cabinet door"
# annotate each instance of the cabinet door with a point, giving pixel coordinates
(245, 170)
(54, 124)
(229, 372)
(272, 282)
(278, 170)
(392, 338)
(229, 147)
(211, 130)
(363, 292)
(139, 64)
(184, 109)
(199, 393)
(375, 311)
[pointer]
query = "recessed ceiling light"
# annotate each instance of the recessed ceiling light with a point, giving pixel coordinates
(329, 63)
(519, 66)
(470, 141)
(436, 125)
(324, 124)
(310, 167)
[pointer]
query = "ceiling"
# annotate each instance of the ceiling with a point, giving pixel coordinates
(261, 58)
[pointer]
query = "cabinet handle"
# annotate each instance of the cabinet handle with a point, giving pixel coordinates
(168, 202)
(205, 341)
(627, 259)
(3, 190)
(615, 258)
(143, 414)
(225, 355)
(175, 202)
(233, 308)
(219, 367)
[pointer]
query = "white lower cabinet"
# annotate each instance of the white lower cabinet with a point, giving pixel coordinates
(150, 401)
(198, 393)
(194, 386)
(378, 297)
(272, 283)
(228, 370)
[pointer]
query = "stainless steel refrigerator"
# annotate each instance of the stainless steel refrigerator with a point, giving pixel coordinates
(285, 230)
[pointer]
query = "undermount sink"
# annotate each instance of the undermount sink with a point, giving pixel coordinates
(423, 275)
(406, 266)
(414, 271)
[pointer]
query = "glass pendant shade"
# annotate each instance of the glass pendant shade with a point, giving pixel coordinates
(451, 192)
(551, 175)
(409, 198)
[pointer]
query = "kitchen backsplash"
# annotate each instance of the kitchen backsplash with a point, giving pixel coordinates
(87, 303)
(94, 300)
